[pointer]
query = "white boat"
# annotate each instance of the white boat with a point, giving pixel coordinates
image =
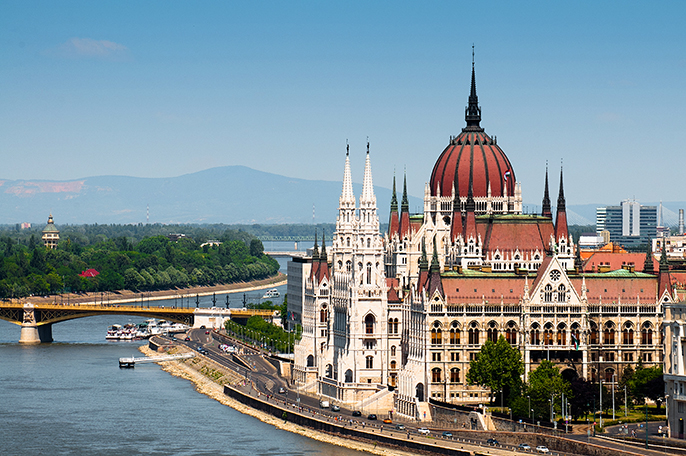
(273, 293)
(113, 332)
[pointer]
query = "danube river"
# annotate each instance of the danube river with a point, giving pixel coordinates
(71, 398)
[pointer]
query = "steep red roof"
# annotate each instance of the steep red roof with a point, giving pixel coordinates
(618, 285)
(393, 284)
(508, 233)
(460, 289)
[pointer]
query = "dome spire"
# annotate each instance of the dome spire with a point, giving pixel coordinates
(473, 111)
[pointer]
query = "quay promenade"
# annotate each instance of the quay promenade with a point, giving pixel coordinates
(256, 384)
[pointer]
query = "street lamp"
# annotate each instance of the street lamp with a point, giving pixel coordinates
(613, 397)
(601, 401)
(530, 409)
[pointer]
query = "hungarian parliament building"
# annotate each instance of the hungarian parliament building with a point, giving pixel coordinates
(396, 317)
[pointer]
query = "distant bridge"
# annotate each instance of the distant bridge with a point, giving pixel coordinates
(36, 320)
(286, 253)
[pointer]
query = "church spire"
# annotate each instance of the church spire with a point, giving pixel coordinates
(435, 265)
(394, 198)
(322, 256)
(547, 211)
(473, 111)
(367, 185)
(423, 261)
(561, 229)
(405, 205)
(315, 251)
(648, 263)
(347, 195)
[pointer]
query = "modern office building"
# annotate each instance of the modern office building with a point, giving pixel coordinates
(630, 224)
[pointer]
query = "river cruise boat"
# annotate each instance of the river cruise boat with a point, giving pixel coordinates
(273, 293)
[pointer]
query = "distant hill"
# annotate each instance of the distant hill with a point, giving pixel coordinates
(230, 194)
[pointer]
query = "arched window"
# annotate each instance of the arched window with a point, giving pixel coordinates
(348, 265)
(548, 293)
(348, 376)
(535, 334)
(561, 334)
(369, 324)
(646, 334)
(454, 336)
(369, 362)
(548, 334)
(628, 334)
(310, 361)
(609, 333)
(609, 372)
(511, 333)
(323, 314)
(436, 375)
(454, 375)
(369, 273)
(594, 334)
(393, 365)
(561, 293)
(395, 326)
(436, 336)
(369, 242)
(473, 333)
(329, 371)
(392, 350)
(492, 332)
(348, 242)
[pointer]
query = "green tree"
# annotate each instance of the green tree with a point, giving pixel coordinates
(499, 367)
(546, 385)
(648, 383)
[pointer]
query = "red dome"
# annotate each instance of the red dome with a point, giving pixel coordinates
(473, 159)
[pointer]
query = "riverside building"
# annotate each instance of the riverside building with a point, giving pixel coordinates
(396, 318)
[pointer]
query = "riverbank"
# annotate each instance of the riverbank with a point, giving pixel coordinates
(127, 296)
(205, 385)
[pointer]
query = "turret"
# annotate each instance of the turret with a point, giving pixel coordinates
(394, 221)
(546, 211)
(561, 220)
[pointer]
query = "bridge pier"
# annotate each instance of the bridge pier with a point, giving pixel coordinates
(31, 333)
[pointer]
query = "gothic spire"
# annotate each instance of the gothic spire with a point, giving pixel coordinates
(315, 251)
(664, 266)
(648, 263)
(547, 211)
(322, 256)
(435, 265)
(394, 198)
(367, 185)
(561, 196)
(405, 205)
(347, 194)
(423, 261)
(473, 111)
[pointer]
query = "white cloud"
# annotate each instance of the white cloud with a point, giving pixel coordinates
(89, 48)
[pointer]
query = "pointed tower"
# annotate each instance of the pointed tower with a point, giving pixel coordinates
(561, 230)
(423, 267)
(546, 211)
(435, 283)
(473, 112)
(470, 222)
(394, 221)
(664, 278)
(404, 211)
(648, 266)
(456, 224)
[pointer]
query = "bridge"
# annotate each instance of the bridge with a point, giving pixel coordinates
(286, 253)
(36, 320)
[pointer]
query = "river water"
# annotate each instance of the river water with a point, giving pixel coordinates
(70, 398)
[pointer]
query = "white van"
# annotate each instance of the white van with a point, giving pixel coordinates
(324, 404)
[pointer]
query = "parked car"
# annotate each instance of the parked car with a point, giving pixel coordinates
(335, 408)
(542, 449)
(524, 446)
(371, 417)
(357, 413)
(282, 390)
(207, 332)
(492, 442)
(400, 427)
(424, 431)
(447, 434)
(388, 421)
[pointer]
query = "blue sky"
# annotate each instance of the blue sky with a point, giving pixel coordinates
(159, 89)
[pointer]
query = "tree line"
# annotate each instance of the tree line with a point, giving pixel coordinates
(152, 263)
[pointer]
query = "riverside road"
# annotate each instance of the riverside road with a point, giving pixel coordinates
(262, 377)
